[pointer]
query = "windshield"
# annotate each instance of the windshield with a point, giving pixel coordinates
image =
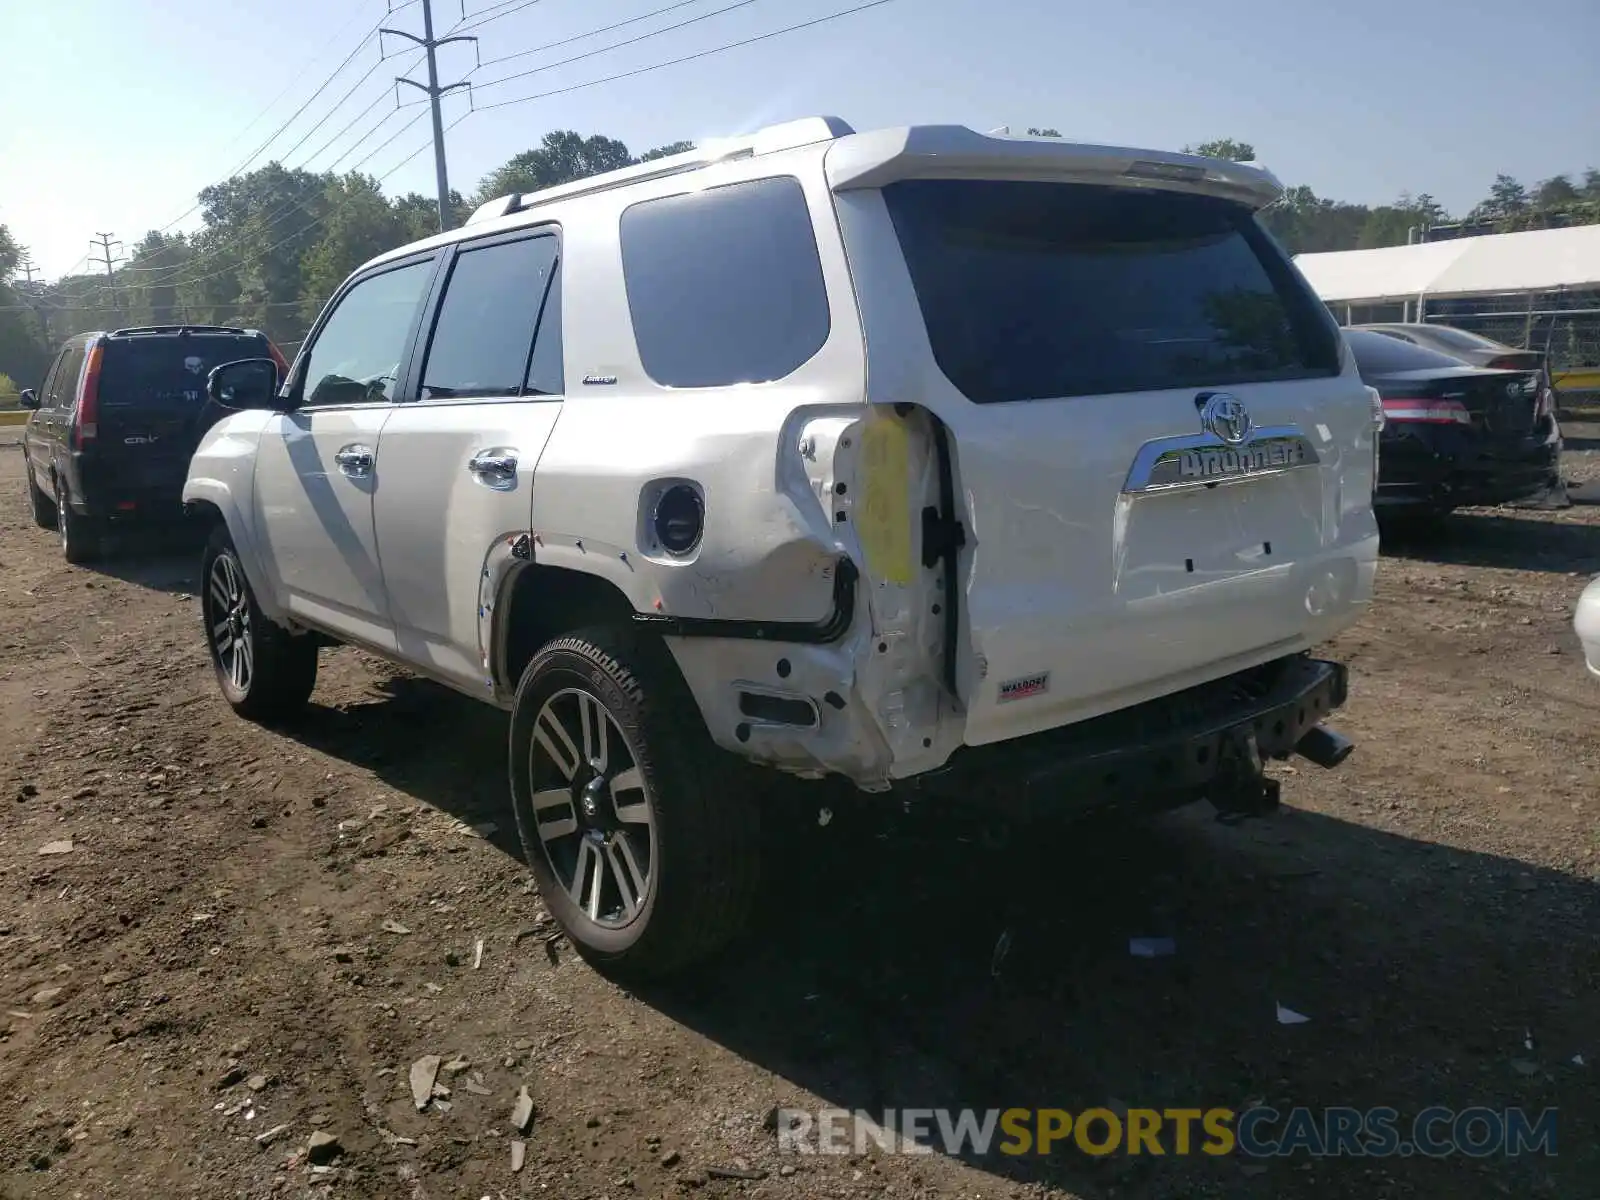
(1036, 290)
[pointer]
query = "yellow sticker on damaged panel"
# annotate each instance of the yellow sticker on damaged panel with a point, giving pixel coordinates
(883, 512)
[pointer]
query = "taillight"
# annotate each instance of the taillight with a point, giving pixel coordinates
(85, 421)
(1426, 412)
(277, 357)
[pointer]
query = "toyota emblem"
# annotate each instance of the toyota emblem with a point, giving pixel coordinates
(1226, 417)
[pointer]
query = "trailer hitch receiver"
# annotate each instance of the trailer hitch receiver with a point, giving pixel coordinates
(1241, 788)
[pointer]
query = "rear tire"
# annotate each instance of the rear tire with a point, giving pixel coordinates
(80, 535)
(265, 672)
(44, 508)
(644, 844)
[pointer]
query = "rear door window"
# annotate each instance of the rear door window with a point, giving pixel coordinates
(168, 372)
(483, 339)
(1042, 290)
(725, 285)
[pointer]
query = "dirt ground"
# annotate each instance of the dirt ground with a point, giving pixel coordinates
(257, 930)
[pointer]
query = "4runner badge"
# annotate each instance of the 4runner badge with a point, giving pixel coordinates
(1205, 459)
(1025, 687)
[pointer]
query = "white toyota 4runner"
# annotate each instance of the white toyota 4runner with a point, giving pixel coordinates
(934, 461)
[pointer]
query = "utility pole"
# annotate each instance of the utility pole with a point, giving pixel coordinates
(103, 242)
(433, 91)
(30, 290)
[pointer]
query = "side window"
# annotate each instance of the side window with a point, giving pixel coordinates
(357, 354)
(546, 370)
(48, 387)
(724, 285)
(64, 390)
(483, 338)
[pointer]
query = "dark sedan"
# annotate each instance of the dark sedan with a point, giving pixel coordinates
(1454, 434)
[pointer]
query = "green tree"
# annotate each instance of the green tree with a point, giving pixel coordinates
(361, 224)
(1507, 200)
(1224, 148)
(1033, 132)
(1555, 193)
(666, 151)
(561, 157)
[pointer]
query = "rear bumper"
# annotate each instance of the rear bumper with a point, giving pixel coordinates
(1428, 468)
(1166, 751)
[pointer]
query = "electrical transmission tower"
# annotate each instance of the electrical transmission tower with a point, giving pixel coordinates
(433, 91)
(103, 243)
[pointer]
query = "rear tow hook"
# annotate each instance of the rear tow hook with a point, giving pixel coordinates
(1241, 789)
(1324, 747)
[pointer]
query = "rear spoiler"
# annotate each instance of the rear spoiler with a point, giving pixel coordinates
(872, 160)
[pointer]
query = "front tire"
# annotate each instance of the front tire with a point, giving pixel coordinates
(644, 846)
(265, 672)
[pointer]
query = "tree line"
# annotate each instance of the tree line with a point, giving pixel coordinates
(274, 243)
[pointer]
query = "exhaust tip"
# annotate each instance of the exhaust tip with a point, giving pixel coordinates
(1324, 746)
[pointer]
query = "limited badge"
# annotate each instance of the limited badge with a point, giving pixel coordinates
(1024, 688)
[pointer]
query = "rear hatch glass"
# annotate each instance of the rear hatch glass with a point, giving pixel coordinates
(1048, 290)
(152, 400)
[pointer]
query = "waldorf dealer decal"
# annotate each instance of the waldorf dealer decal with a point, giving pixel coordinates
(1025, 687)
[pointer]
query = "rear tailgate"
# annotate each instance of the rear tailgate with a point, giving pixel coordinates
(153, 408)
(1161, 452)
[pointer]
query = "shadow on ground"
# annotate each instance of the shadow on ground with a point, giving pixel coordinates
(160, 559)
(1501, 539)
(894, 965)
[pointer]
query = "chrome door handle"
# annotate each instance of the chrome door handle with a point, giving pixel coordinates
(496, 468)
(354, 461)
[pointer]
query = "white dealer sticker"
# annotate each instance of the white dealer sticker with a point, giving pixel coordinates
(1025, 687)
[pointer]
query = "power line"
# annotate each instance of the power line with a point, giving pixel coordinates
(315, 221)
(300, 205)
(212, 253)
(390, 10)
(689, 57)
(516, 7)
(643, 37)
(578, 37)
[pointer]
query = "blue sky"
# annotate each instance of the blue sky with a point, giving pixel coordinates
(120, 110)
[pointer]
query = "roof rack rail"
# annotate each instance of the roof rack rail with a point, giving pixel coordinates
(133, 329)
(789, 135)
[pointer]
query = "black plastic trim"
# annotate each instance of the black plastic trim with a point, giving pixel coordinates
(812, 633)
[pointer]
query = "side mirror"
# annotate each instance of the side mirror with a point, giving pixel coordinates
(244, 383)
(28, 399)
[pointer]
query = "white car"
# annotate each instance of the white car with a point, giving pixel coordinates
(1586, 620)
(940, 463)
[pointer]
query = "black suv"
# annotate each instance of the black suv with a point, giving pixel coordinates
(117, 418)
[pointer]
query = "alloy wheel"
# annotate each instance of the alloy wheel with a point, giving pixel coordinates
(592, 808)
(228, 620)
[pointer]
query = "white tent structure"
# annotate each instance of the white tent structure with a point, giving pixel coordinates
(1498, 264)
